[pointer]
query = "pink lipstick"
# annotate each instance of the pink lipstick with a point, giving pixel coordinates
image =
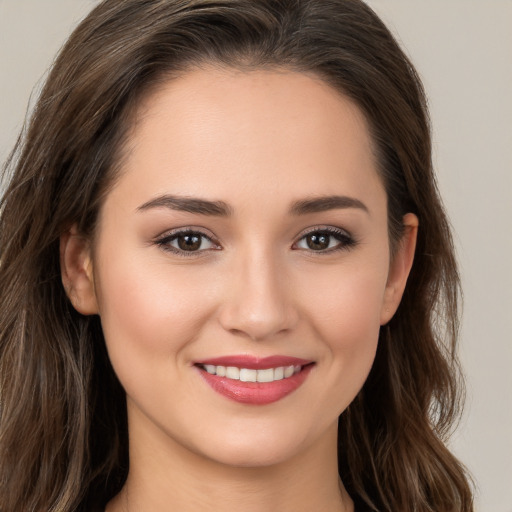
(253, 380)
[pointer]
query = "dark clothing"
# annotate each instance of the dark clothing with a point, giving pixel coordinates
(360, 506)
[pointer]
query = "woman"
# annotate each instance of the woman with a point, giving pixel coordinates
(227, 279)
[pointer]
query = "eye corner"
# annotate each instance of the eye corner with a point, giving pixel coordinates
(175, 242)
(325, 240)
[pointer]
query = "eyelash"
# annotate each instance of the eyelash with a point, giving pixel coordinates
(165, 241)
(346, 241)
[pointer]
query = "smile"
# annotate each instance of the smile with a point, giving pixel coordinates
(251, 375)
(250, 380)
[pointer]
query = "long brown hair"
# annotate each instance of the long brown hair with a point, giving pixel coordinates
(63, 438)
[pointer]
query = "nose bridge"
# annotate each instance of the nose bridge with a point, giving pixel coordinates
(260, 304)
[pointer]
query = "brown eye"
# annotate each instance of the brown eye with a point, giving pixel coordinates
(325, 240)
(318, 241)
(183, 242)
(189, 242)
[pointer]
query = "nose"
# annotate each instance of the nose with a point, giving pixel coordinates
(259, 301)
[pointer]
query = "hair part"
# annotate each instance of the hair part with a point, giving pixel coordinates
(63, 439)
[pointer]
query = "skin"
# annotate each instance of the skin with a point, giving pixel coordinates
(258, 141)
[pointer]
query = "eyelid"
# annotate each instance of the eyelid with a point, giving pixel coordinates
(347, 239)
(185, 229)
(163, 240)
(324, 228)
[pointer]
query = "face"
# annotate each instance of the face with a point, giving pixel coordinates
(245, 239)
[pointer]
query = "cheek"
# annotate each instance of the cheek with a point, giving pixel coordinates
(345, 304)
(148, 313)
(354, 329)
(345, 314)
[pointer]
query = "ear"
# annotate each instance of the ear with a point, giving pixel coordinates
(76, 271)
(400, 268)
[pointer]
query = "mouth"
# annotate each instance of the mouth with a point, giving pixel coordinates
(252, 375)
(255, 381)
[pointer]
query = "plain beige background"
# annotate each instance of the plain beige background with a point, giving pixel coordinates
(463, 51)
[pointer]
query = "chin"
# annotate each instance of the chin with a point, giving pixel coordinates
(252, 456)
(257, 448)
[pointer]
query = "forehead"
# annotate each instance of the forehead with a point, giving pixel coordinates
(272, 131)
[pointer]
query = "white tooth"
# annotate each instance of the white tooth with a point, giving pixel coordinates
(297, 368)
(279, 373)
(210, 368)
(221, 371)
(232, 372)
(288, 371)
(247, 375)
(265, 375)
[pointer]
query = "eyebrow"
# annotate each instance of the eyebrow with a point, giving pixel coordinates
(222, 209)
(324, 203)
(189, 204)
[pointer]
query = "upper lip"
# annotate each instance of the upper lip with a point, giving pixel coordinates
(254, 363)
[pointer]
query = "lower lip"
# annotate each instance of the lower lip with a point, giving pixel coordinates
(255, 393)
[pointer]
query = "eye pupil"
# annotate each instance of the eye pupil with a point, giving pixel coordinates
(189, 242)
(318, 241)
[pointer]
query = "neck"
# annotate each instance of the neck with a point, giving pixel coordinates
(165, 476)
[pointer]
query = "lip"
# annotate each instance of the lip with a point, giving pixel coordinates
(255, 393)
(254, 363)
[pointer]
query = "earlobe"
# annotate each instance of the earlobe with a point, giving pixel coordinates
(400, 268)
(77, 272)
